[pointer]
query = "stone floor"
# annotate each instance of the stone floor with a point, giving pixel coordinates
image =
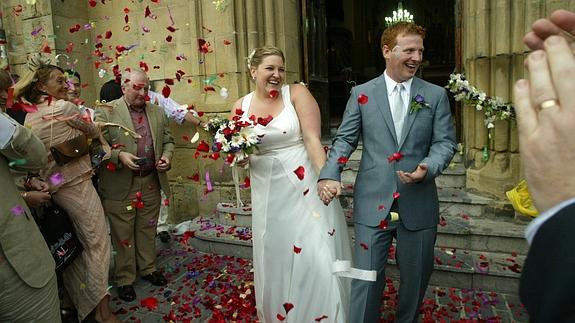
(213, 288)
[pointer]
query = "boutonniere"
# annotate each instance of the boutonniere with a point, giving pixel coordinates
(417, 103)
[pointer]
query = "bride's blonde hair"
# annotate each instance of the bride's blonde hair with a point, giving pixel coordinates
(39, 69)
(257, 55)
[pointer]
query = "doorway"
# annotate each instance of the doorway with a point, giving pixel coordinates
(349, 32)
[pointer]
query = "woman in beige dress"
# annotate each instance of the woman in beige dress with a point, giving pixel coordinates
(56, 121)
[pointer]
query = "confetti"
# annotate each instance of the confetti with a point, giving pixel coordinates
(17, 162)
(151, 303)
(383, 224)
(209, 187)
(56, 179)
(299, 172)
(17, 210)
(362, 99)
(265, 121)
(288, 307)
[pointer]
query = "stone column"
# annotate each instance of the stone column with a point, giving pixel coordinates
(493, 54)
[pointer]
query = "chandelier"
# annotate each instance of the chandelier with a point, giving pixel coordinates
(399, 15)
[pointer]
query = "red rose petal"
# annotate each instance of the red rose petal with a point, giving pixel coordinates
(288, 307)
(203, 147)
(342, 160)
(296, 249)
(318, 319)
(280, 317)
(151, 303)
(300, 172)
(396, 195)
(362, 99)
(264, 121)
(111, 167)
(364, 246)
(383, 224)
(166, 91)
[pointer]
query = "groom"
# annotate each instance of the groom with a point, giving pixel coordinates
(408, 139)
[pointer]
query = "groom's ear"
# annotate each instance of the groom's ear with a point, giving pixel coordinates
(386, 51)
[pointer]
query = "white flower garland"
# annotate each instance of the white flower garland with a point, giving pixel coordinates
(493, 107)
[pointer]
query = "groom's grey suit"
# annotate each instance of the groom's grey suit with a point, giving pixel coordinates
(427, 137)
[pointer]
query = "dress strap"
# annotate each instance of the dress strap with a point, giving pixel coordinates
(246, 103)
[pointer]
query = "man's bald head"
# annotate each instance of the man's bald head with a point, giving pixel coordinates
(135, 86)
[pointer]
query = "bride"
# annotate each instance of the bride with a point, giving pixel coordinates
(296, 238)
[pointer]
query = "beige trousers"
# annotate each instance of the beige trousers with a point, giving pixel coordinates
(134, 230)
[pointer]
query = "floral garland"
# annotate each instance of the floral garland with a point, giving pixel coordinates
(493, 107)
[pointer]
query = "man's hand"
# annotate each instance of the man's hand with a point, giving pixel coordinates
(328, 189)
(545, 119)
(36, 184)
(561, 22)
(415, 177)
(129, 160)
(36, 198)
(163, 164)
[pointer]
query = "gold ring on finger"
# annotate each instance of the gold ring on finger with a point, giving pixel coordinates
(548, 104)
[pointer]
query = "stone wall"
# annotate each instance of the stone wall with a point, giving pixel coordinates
(493, 54)
(231, 33)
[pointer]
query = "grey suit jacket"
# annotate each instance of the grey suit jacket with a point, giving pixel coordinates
(428, 137)
(20, 240)
(116, 185)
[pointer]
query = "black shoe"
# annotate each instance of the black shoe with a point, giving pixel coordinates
(156, 278)
(164, 236)
(126, 293)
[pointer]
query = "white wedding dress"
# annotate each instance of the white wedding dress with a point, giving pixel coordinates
(296, 238)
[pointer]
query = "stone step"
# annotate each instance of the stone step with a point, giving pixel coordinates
(454, 202)
(452, 177)
(502, 235)
(454, 266)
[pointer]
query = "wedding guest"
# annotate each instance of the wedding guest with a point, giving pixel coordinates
(112, 90)
(58, 123)
(545, 109)
(130, 184)
(296, 238)
(74, 83)
(408, 139)
(27, 271)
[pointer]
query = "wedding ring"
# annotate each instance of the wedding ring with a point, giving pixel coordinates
(548, 104)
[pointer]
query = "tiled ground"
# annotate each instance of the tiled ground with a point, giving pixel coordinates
(213, 288)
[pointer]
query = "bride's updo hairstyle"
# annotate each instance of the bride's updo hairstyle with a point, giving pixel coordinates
(257, 55)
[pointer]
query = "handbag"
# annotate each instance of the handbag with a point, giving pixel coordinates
(69, 150)
(58, 232)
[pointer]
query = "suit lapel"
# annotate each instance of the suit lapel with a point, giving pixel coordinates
(152, 121)
(380, 90)
(124, 114)
(410, 117)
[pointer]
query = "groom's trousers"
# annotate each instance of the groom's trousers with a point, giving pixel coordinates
(414, 254)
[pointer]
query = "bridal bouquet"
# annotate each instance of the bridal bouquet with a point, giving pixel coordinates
(237, 137)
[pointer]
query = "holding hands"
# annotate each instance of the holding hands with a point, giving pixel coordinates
(327, 190)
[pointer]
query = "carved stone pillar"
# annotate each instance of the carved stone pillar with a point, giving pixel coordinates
(493, 54)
